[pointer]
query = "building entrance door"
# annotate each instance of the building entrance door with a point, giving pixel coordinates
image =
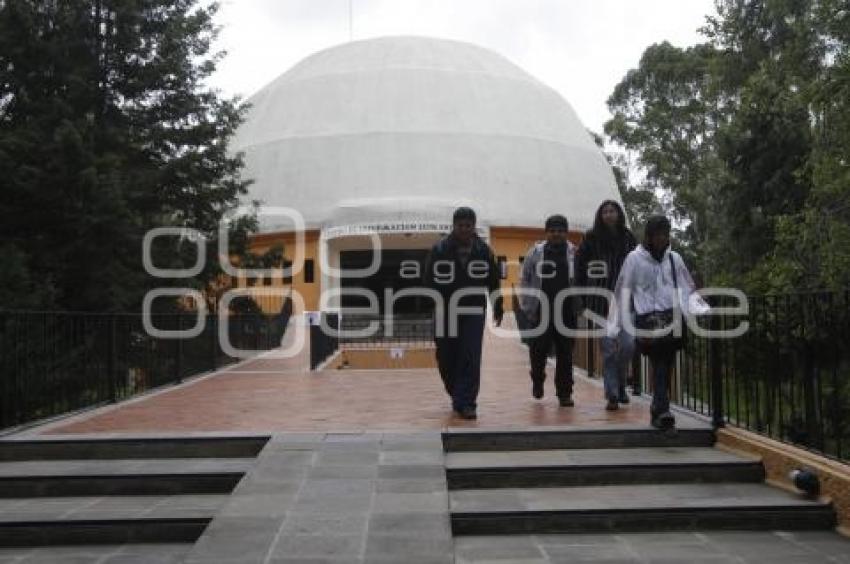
(396, 272)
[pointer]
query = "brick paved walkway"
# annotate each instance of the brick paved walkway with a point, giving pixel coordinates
(280, 395)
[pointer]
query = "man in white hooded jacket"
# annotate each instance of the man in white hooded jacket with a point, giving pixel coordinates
(656, 286)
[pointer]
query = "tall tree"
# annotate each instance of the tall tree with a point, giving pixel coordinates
(666, 116)
(107, 129)
(773, 52)
(639, 200)
(813, 244)
(747, 135)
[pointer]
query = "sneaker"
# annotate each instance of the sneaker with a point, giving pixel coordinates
(665, 422)
(612, 405)
(468, 413)
(624, 398)
(566, 401)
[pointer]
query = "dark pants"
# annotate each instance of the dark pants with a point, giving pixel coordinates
(662, 365)
(539, 351)
(459, 361)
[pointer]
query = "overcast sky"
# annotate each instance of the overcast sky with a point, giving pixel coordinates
(582, 48)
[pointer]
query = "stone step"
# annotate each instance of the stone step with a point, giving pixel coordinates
(624, 508)
(125, 531)
(124, 448)
(106, 520)
(148, 484)
(143, 553)
(702, 546)
(121, 477)
(480, 440)
(587, 467)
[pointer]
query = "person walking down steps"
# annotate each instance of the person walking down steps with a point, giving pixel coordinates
(656, 284)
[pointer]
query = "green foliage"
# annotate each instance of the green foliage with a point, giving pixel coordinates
(666, 116)
(107, 130)
(747, 138)
(639, 202)
(16, 286)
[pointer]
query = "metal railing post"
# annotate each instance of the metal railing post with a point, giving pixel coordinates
(717, 417)
(111, 360)
(214, 341)
(178, 361)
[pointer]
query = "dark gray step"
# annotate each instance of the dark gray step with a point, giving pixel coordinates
(475, 440)
(121, 477)
(48, 468)
(586, 467)
(110, 449)
(143, 553)
(51, 533)
(111, 484)
(634, 508)
(106, 520)
(698, 547)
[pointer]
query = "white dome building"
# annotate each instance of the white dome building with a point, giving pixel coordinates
(387, 136)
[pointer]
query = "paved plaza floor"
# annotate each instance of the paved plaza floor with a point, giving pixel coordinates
(267, 395)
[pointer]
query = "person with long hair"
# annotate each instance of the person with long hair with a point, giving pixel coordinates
(598, 262)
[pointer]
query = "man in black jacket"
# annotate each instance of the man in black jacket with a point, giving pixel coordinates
(462, 265)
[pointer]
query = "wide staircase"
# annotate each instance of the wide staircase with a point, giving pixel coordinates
(617, 480)
(117, 492)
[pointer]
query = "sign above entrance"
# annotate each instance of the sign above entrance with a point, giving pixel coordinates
(388, 227)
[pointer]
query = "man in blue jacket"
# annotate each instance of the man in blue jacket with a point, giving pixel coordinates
(462, 264)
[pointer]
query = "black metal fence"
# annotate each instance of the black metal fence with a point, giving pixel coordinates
(379, 331)
(323, 344)
(368, 331)
(787, 377)
(54, 362)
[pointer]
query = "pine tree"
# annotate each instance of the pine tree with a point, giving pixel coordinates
(107, 129)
